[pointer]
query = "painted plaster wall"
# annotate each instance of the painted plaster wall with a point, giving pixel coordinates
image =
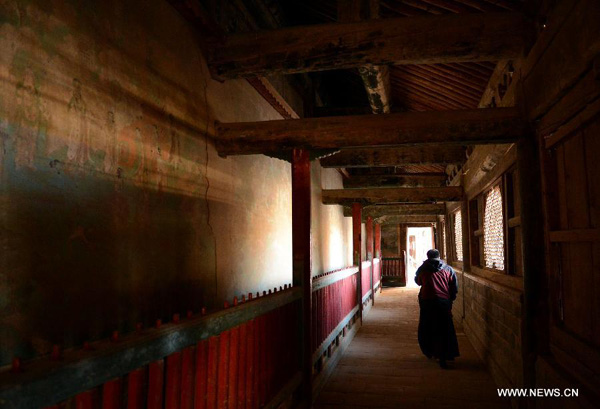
(331, 231)
(114, 206)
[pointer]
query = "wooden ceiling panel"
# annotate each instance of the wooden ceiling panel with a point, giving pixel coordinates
(424, 87)
(439, 86)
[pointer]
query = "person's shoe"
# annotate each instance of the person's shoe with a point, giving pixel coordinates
(443, 364)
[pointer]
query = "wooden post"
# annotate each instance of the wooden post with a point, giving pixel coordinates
(378, 254)
(356, 247)
(378, 241)
(370, 252)
(535, 316)
(404, 251)
(302, 258)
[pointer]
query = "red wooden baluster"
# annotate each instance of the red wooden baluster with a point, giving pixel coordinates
(315, 322)
(242, 367)
(234, 347)
(16, 365)
(111, 394)
(200, 388)
(268, 355)
(211, 385)
(87, 400)
(135, 389)
(56, 353)
(187, 378)
(250, 364)
(223, 370)
(173, 389)
(263, 361)
(156, 378)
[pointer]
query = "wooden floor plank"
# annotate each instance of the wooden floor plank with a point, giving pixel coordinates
(384, 368)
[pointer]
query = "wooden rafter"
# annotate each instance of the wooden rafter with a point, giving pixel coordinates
(393, 195)
(417, 40)
(464, 127)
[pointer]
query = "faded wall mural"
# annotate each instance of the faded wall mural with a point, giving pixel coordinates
(114, 206)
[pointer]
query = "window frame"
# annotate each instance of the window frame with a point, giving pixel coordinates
(453, 213)
(482, 197)
(507, 182)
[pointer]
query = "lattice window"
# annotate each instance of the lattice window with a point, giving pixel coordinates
(493, 230)
(444, 239)
(458, 235)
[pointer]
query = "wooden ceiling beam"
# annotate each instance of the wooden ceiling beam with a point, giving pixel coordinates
(464, 127)
(414, 180)
(392, 195)
(383, 157)
(417, 40)
(376, 78)
(405, 219)
(375, 211)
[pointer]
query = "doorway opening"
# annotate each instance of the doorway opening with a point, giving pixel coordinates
(418, 241)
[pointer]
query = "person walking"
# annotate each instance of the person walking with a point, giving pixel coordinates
(436, 334)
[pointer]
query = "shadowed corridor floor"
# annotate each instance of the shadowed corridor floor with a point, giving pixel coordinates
(384, 368)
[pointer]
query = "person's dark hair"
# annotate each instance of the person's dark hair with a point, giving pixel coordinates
(433, 253)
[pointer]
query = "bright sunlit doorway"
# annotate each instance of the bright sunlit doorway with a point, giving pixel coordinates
(418, 241)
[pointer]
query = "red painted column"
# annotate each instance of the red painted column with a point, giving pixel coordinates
(378, 241)
(378, 251)
(370, 253)
(302, 259)
(356, 238)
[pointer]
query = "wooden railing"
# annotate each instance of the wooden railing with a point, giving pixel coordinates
(334, 303)
(392, 267)
(376, 273)
(244, 356)
(366, 279)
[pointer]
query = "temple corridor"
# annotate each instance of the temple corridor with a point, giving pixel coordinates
(383, 366)
(202, 200)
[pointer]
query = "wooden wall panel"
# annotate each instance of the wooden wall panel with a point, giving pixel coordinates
(576, 184)
(577, 206)
(592, 147)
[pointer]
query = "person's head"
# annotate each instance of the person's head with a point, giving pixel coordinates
(433, 253)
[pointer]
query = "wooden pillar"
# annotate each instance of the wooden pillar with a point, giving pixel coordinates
(378, 254)
(403, 250)
(378, 241)
(370, 252)
(356, 247)
(535, 316)
(301, 196)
